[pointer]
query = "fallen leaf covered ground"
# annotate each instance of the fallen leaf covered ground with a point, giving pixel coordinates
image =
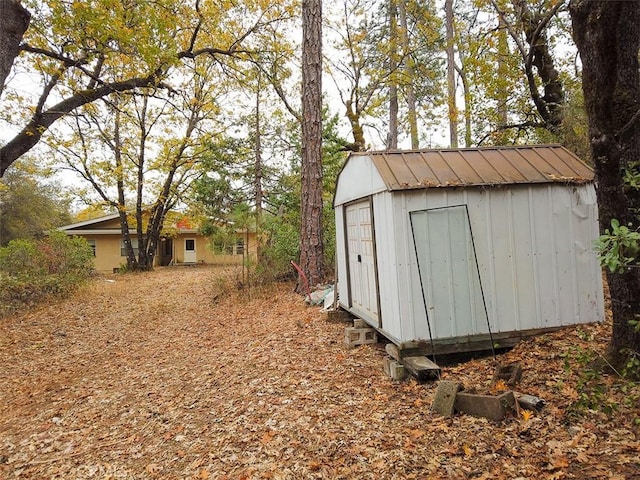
(173, 375)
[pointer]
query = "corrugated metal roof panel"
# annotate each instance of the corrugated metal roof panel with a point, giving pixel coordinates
(479, 166)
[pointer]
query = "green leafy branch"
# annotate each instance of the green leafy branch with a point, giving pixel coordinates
(619, 247)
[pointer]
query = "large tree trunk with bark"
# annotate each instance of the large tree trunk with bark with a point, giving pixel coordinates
(311, 241)
(534, 25)
(14, 21)
(353, 115)
(607, 34)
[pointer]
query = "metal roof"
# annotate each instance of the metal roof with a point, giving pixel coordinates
(403, 170)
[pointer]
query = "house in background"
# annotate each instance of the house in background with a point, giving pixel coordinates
(185, 245)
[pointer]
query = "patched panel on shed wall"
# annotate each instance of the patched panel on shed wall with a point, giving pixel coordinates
(448, 271)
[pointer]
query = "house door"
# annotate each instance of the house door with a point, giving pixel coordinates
(189, 250)
(449, 274)
(363, 288)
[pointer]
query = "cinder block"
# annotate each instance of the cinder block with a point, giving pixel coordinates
(359, 323)
(393, 369)
(359, 336)
(510, 374)
(393, 351)
(445, 398)
(492, 407)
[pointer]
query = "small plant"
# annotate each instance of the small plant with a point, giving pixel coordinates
(632, 367)
(596, 391)
(526, 415)
(619, 247)
(630, 176)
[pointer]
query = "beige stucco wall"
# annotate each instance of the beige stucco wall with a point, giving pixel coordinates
(204, 252)
(108, 251)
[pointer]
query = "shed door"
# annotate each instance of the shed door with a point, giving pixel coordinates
(189, 250)
(449, 274)
(362, 265)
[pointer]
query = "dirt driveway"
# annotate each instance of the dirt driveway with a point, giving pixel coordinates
(147, 376)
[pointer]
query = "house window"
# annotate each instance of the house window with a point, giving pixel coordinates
(134, 244)
(222, 248)
(92, 244)
(230, 247)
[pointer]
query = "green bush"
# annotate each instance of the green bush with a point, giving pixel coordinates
(31, 271)
(282, 246)
(22, 258)
(66, 256)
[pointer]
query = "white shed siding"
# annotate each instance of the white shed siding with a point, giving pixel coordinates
(364, 181)
(387, 261)
(448, 271)
(537, 269)
(533, 244)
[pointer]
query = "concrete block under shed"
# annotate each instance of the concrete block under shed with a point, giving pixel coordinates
(359, 323)
(359, 336)
(395, 370)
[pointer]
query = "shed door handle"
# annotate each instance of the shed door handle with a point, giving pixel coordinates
(359, 258)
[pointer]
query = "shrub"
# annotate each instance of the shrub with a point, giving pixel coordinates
(22, 258)
(34, 270)
(282, 247)
(66, 256)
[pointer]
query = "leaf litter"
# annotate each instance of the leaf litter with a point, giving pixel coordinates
(163, 375)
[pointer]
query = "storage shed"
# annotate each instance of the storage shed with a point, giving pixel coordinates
(461, 249)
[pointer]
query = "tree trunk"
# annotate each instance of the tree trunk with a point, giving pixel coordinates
(468, 130)
(311, 241)
(550, 105)
(392, 138)
(451, 78)
(503, 54)
(607, 34)
(132, 262)
(356, 128)
(410, 75)
(14, 21)
(258, 175)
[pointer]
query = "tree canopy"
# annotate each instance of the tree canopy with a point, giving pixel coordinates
(29, 206)
(85, 51)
